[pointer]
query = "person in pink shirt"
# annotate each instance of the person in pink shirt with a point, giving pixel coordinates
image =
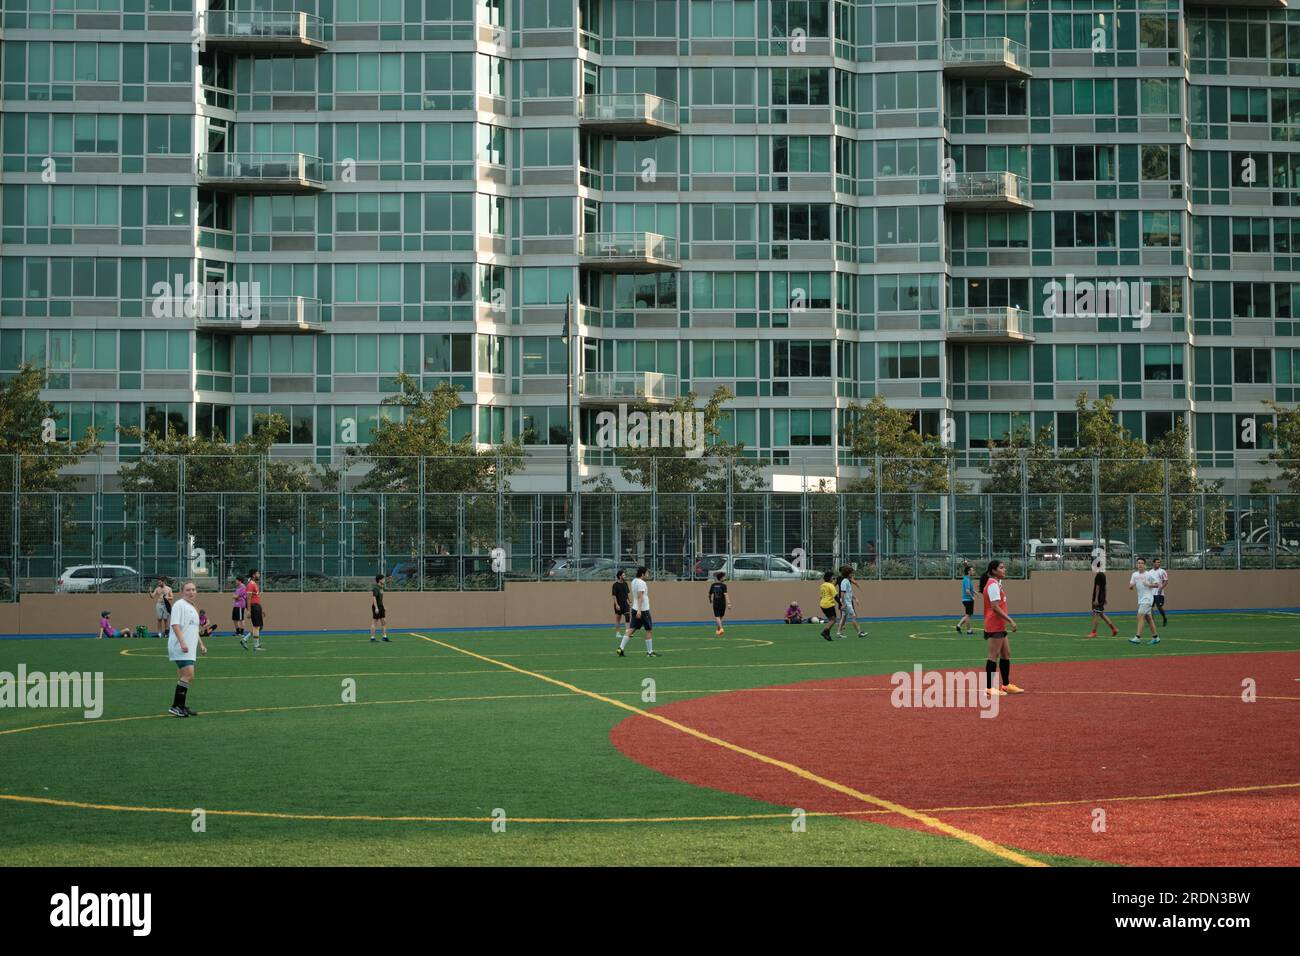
(106, 626)
(239, 611)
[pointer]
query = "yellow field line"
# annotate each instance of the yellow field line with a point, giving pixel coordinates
(973, 839)
(722, 817)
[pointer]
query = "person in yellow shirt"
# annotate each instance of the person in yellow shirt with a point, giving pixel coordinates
(829, 597)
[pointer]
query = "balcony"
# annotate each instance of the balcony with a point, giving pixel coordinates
(1240, 4)
(260, 314)
(628, 252)
(261, 173)
(988, 191)
(633, 388)
(628, 114)
(988, 324)
(257, 32)
(985, 57)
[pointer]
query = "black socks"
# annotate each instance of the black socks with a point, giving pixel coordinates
(989, 668)
(1005, 666)
(179, 699)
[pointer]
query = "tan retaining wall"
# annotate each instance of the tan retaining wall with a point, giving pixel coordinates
(526, 604)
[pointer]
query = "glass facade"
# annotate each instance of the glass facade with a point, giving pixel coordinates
(812, 203)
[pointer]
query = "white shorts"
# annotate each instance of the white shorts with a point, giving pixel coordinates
(848, 609)
(1144, 608)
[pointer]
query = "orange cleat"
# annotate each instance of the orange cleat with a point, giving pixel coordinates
(1092, 633)
(995, 691)
(1013, 689)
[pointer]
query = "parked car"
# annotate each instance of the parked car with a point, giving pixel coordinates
(587, 569)
(748, 567)
(90, 577)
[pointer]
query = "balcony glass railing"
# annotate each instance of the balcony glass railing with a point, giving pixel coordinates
(1010, 187)
(989, 321)
(985, 51)
(628, 386)
(267, 313)
(255, 25)
(269, 168)
(631, 247)
(628, 108)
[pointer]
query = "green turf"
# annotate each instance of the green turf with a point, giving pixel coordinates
(418, 743)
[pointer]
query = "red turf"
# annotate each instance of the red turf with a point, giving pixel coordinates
(1085, 731)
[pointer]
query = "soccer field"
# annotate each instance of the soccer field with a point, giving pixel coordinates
(534, 747)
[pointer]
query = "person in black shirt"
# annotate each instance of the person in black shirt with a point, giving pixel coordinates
(1099, 604)
(622, 608)
(718, 598)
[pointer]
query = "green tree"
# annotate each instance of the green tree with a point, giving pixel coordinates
(674, 474)
(23, 414)
(672, 470)
(899, 461)
(1124, 465)
(1284, 435)
(424, 431)
(219, 483)
(214, 464)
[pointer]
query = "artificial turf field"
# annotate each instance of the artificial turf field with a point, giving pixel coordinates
(449, 728)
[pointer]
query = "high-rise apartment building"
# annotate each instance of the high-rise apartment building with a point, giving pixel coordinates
(810, 202)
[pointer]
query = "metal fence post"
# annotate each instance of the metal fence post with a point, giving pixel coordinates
(1168, 513)
(421, 519)
(15, 524)
(1097, 535)
(182, 536)
(1024, 510)
(501, 531)
(261, 519)
(880, 524)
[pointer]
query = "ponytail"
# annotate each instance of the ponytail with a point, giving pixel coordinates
(988, 573)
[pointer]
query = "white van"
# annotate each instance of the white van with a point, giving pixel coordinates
(1074, 550)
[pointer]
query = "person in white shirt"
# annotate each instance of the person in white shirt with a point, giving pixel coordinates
(640, 614)
(847, 608)
(182, 643)
(1145, 582)
(1162, 581)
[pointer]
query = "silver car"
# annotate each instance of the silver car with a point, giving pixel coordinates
(90, 577)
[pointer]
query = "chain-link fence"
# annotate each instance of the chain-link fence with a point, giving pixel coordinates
(474, 523)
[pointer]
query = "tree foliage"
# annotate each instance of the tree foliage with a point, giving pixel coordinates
(23, 414)
(1120, 463)
(214, 464)
(424, 431)
(1284, 433)
(670, 470)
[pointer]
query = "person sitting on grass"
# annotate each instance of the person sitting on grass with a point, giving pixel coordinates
(105, 626)
(794, 613)
(205, 629)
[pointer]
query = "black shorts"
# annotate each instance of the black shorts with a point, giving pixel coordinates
(968, 606)
(1099, 608)
(256, 614)
(829, 612)
(378, 614)
(237, 615)
(1160, 600)
(641, 621)
(719, 610)
(994, 635)
(622, 613)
